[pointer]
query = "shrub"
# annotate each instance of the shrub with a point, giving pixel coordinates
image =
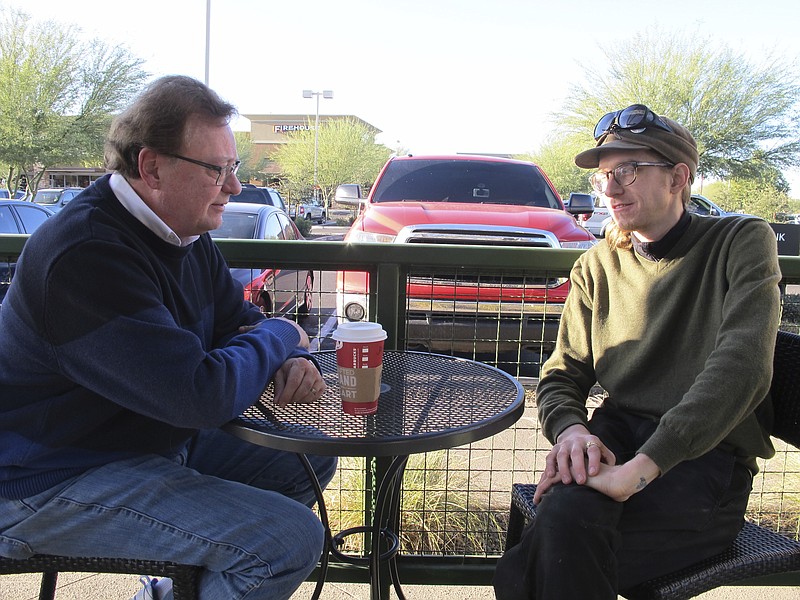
(304, 225)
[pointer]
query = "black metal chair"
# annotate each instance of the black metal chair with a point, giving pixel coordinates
(184, 577)
(757, 551)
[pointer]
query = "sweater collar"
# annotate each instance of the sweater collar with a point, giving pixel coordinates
(657, 250)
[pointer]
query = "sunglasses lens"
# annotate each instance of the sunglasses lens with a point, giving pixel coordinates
(636, 115)
(604, 124)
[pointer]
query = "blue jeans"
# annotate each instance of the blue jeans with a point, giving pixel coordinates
(239, 510)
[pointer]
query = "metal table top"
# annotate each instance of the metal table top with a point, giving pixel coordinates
(427, 402)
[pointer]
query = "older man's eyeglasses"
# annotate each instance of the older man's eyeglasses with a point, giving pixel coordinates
(636, 118)
(222, 172)
(624, 174)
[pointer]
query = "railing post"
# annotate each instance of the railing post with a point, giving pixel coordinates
(390, 291)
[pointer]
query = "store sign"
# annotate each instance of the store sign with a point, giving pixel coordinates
(788, 237)
(290, 128)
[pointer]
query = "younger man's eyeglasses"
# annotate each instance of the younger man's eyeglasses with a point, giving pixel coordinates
(222, 172)
(624, 174)
(636, 118)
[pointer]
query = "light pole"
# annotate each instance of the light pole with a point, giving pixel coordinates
(208, 35)
(328, 94)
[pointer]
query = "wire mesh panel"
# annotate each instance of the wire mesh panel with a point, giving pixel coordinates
(455, 502)
(790, 307)
(775, 499)
(507, 319)
(477, 479)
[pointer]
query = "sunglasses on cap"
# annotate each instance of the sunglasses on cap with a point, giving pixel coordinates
(636, 118)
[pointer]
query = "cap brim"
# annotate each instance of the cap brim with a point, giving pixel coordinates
(590, 159)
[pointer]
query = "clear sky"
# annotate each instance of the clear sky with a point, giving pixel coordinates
(433, 75)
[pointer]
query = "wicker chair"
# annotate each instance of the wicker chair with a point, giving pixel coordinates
(184, 577)
(757, 551)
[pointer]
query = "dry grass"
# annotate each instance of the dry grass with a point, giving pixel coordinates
(438, 514)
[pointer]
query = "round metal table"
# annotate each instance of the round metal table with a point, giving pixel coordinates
(428, 402)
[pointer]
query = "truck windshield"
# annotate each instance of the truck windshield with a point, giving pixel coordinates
(471, 181)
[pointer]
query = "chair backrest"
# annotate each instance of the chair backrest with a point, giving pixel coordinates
(785, 388)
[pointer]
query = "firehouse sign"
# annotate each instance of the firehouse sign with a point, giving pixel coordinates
(288, 128)
(788, 238)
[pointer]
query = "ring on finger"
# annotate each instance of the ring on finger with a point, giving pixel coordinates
(590, 443)
(313, 390)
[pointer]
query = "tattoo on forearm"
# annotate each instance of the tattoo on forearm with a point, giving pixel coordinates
(642, 483)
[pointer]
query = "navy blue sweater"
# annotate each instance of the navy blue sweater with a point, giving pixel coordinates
(114, 343)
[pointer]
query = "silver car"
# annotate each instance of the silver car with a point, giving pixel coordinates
(310, 210)
(599, 220)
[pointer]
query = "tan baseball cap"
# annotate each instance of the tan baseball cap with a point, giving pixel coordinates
(677, 146)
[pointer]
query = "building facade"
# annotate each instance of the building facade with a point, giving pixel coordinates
(267, 132)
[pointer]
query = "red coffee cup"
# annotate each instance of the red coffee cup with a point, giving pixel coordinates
(359, 362)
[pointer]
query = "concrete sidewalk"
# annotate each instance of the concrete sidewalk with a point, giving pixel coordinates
(87, 586)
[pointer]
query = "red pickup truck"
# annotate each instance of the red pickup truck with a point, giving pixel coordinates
(476, 200)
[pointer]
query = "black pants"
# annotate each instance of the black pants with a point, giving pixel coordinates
(584, 545)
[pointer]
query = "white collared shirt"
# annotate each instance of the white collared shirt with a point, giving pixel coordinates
(128, 197)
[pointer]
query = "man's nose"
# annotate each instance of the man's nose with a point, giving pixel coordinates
(232, 185)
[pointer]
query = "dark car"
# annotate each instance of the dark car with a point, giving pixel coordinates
(259, 195)
(6, 194)
(278, 292)
(56, 198)
(18, 216)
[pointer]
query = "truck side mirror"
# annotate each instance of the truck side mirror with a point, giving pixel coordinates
(580, 204)
(349, 194)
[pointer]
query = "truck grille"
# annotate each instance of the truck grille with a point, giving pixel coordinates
(477, 235)
(484, 280)
(480, 235)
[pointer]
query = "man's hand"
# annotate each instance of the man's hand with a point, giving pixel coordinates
(621, 482)
(576, 456)
(304, 341)
(582, 458)
(298, 381)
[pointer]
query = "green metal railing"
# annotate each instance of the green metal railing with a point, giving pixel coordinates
(477, 477)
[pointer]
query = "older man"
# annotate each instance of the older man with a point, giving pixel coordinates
(125, 344)
(675, 315)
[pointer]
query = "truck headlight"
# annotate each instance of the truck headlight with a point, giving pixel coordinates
(368, 236)
(581, 245)
(354, 312)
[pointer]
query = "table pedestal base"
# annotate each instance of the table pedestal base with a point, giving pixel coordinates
(385, 521)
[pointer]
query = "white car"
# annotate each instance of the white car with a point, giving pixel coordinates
(313, 211)
(597, 222)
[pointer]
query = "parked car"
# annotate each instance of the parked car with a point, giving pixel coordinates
(703, 206)
(260, 195)
(599, 220)
(18, 216)
(278, 292)
(311, 210)
(56, 198)
(465, 199)
(6, 194)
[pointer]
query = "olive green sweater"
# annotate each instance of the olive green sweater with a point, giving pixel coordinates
(687, 340)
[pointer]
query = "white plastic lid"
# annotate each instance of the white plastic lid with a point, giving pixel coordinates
(359, 331)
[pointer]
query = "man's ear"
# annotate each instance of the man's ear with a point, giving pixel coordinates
(149, 163)
(680, 177)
